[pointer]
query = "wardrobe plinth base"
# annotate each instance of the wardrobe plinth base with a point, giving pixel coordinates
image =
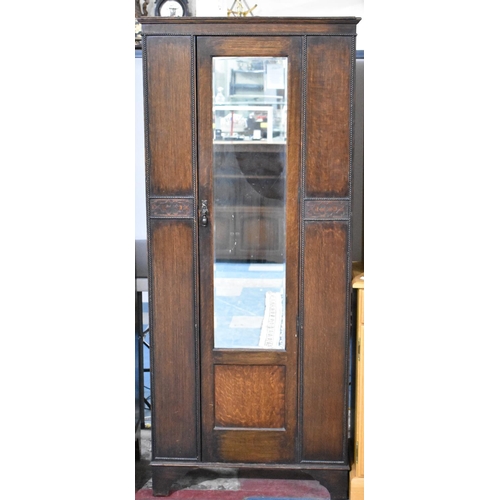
(334, 478)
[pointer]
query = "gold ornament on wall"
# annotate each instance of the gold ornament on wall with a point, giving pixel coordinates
(240, 10)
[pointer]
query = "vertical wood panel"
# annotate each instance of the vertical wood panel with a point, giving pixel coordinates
(324, 356)
(328, 116)
(173, 335)
(169, 112)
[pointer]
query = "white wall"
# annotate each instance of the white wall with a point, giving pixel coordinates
(288, 8)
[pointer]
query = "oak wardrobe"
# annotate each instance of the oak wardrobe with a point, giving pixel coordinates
(249, 145)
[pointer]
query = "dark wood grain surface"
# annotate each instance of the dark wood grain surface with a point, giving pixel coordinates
(327, 116)
(173, 336)
(169, 115)
(249, 396)
(249, 26)
(324, 356)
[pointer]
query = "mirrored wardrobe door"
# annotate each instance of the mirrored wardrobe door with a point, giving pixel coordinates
(249, 137)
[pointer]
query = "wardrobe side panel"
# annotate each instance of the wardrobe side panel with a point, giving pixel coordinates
(171, 212)
(169, 115)
(327, 116)
(173, 337)
(324, 322)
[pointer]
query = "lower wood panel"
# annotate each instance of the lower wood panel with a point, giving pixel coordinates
(173, 334)
(324, 340)
(249, 396)
(253, 446)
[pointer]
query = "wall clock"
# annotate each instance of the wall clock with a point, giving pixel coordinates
(171, 8)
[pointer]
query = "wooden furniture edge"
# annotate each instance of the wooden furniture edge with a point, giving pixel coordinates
(253, 20)
(356, 485)
(358, 274)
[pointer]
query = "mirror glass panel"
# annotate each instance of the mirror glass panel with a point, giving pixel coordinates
(249, 179)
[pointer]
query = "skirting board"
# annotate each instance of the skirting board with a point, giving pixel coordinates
(356, 485)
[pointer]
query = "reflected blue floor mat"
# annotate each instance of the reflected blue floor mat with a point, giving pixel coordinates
(240, 301)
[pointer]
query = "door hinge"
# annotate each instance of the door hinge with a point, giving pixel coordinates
(356, 453)
(359, 348)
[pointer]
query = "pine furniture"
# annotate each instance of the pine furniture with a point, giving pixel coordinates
(357, 481)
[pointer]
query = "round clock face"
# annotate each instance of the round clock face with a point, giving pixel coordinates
(171, 8)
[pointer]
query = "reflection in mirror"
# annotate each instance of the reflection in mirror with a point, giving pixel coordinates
(249, 163)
